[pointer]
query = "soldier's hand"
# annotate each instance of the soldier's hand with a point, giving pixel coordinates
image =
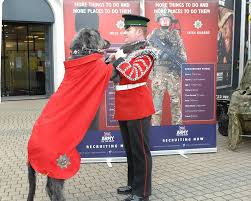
(119, 54)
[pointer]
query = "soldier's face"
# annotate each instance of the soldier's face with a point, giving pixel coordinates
(131, 34)
(165, 21)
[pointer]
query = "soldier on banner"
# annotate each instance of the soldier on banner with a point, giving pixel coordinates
(166, 75)
(225, 35)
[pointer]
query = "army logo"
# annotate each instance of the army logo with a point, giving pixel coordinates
(63, 161)
(182, 131)
(107, 137)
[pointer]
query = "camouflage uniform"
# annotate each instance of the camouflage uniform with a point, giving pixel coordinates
(239, 110)
(166, 74)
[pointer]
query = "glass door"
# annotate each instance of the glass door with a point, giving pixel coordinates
(23, 59)
(15, 75)
(37, 59)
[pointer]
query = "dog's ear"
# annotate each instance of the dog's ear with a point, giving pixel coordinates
(95, 39)
(103, 44)
(85, 40)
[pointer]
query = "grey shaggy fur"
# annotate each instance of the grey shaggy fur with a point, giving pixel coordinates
(86, 42)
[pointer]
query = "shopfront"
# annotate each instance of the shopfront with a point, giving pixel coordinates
(29, 55)
(24, 51)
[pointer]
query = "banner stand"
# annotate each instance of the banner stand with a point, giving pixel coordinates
(181, 152)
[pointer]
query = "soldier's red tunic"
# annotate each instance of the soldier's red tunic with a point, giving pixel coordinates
(135, 103)
(67, 116)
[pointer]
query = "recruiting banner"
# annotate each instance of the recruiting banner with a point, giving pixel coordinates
(225, 48)
(183, 81)
(184, 77)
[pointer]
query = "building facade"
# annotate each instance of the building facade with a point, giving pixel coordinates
(32, 48)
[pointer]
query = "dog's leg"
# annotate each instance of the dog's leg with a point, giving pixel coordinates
(48, 188)
(54, 189)
(32, 183)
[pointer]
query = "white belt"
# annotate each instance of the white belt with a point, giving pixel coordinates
(129, 86)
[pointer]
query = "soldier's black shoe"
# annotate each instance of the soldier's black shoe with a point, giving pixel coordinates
(136, 198)
(125, 190)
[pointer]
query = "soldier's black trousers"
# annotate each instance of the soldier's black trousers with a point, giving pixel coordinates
(135, 134)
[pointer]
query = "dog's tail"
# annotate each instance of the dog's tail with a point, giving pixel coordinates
(32, 182)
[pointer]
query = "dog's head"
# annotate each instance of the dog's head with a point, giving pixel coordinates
(88, 41)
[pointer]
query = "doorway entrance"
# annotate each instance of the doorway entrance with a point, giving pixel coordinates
(24, 54)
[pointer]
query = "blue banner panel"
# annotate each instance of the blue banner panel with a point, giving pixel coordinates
(98, 144)
(183, 137)
(108, 144)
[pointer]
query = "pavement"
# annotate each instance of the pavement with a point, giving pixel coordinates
(225, 175)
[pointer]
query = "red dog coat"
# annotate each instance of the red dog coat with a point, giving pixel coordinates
(67, 116)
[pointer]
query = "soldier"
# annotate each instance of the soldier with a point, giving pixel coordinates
(166, 75)
(134, 106)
